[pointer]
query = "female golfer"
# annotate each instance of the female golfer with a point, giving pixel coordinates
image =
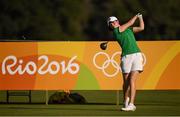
(131, 58)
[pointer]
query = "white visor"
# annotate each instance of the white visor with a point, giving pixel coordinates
(111, 19)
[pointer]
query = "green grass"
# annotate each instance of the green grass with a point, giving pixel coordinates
(157, 103)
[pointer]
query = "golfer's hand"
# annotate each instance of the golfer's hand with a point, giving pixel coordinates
(139, 15)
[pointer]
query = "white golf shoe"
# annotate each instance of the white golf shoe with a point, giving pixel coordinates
(130, 107)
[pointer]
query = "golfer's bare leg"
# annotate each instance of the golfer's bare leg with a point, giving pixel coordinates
(133, 77)
(126, 85)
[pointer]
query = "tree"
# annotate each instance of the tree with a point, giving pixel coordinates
(85, 19)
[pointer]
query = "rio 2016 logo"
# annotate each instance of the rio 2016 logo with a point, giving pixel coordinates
(110, 60)
(32, 68)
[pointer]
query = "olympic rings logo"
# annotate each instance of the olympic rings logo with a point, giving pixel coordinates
(110, 60)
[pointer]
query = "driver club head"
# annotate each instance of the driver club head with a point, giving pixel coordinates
(103, 45)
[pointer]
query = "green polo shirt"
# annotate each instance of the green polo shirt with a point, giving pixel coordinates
(126, 40)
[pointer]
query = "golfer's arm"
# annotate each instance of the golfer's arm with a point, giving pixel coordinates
(141, 26)
(128, 24)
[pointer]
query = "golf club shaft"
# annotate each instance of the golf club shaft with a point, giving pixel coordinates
(107, 42)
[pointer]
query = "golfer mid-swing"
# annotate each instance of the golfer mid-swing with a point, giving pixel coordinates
(131, 58)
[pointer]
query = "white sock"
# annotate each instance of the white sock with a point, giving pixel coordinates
(131, 104)
(126, 103)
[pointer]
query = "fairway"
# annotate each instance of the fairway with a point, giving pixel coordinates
(99, 103)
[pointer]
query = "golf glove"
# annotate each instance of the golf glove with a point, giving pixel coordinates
(139, 15)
